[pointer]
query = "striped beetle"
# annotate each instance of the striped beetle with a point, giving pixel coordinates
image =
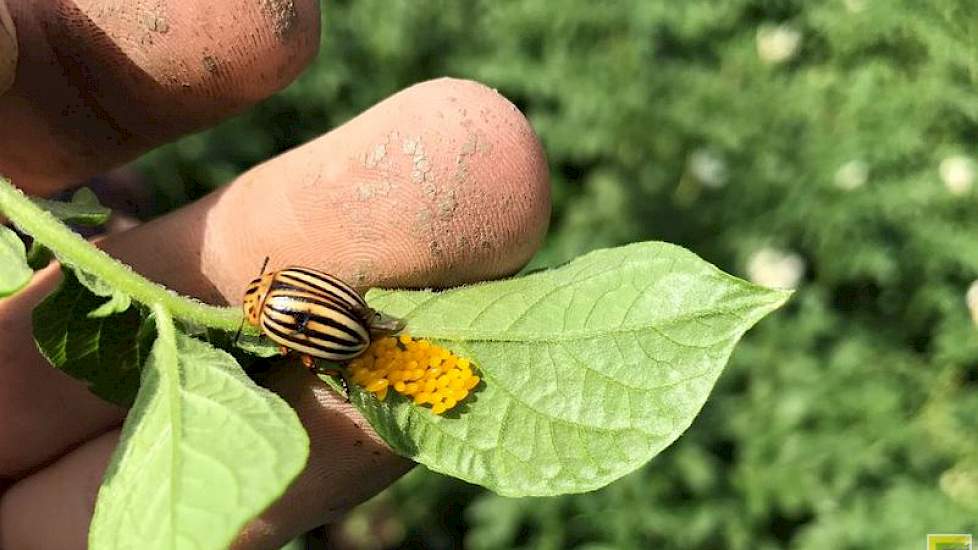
(313, 313)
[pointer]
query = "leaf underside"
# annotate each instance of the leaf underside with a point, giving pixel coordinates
(117, 301)
(590, 369)
(203, 451)
(14, 271)
(105, 350)
(83, 209)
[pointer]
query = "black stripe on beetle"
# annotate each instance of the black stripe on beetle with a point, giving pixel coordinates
(351, 322)
(325, 300)
(312, 349)
(325, 284)
(311, 339)
(318, 326)
(328, 282)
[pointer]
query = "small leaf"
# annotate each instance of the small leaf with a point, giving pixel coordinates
(39, 256)
(14, 271)
(117, 301)
(295, 544)
(203, 451)
(257, 345)
(84, 208)
(248, 349)
(104, 350)
(590, 369)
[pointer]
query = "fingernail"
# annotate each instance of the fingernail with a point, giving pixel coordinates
(8, 48)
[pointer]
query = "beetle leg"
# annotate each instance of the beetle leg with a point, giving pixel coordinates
(283, 350)
(346, 385)
(308, 361)
(341, 374)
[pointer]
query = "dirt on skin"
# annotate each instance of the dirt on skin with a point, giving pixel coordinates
(282, 13)
(152, 21)
(210, 64)
(443, 186)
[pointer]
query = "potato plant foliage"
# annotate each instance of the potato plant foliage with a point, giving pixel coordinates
(590, 369)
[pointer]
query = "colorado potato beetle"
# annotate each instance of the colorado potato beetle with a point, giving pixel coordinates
(313, 313)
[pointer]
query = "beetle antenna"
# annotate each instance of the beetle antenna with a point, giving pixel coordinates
(241, 326)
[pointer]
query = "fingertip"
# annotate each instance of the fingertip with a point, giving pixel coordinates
(499, 196)
(97, 84)
(441, 184)
(225, 59)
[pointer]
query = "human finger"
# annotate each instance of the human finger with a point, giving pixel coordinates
(97, 83)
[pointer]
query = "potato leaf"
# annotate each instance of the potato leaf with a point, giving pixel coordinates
(39, 256)
(105, 350)
(590, 369)
(203, 451)
(117, 301)
(255, 345)
(14, 271)
(83, 209)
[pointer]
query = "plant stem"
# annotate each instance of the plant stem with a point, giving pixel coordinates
(73, 250)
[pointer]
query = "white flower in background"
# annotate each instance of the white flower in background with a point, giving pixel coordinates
(971, 298)
(960, 482)
(775, 268)
(958, 174)
(708, 168)
(852, 175)
(777, 44)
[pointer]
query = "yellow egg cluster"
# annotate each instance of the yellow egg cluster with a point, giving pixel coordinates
(429, 374)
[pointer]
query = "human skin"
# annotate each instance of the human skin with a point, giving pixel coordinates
(440, 184)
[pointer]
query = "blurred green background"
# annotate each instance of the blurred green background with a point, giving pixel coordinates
(826, 145)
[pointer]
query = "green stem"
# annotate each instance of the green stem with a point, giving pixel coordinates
(72, 249)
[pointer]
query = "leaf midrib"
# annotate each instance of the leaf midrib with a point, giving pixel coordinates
(506, 335)
(170, 376)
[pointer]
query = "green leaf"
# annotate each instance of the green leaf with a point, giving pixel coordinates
(256, 345)
(249, 350)
(117, 301)
(298, 543)
(104, 350)
(39, 256)
(203, 451)
(590, 369)
(84, 208)
(14, 271)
